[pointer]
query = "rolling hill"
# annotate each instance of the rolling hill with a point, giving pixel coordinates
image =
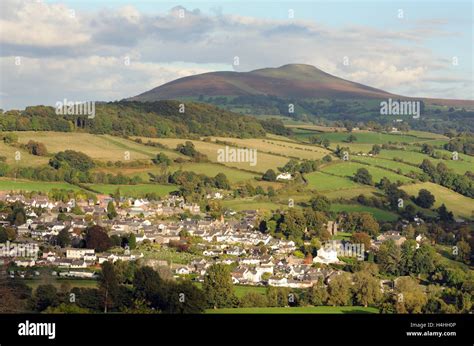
(288, 81)
(294, 80)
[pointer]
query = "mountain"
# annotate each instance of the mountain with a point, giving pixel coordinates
(294, 80)
(289, 81)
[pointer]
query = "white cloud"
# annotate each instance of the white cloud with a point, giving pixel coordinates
(83, 55)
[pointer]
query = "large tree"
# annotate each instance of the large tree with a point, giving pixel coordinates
(320, 203)
(339, 290)
(218, 287)
(425, 199)
(109, 284)
(407, 254)
(363, 176)
(367, 290)
(97, 238)
(45, 296)
(388, 257)
(64, 238)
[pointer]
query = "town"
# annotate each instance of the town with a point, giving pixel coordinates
(235, 241)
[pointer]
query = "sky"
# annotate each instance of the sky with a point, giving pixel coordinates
(112, 49)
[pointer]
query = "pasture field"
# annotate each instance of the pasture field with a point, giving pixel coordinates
(458, 204)
(207, 168)
(379, 214)
(460, 166)
(388, 164)
(30, 185)
(264, 161)
(427, 135)
(368, 137)
(141, 172)
(298, 310)
(353, 147)
(211, 170)
(240, 204)
(351, 193)
(241, 290)
(272, 136)
(348, 169)
(138, 190)
(315, 128)
(98, 147)
(299, 151)
(25, 158)
(321, 181)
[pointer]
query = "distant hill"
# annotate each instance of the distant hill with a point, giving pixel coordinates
(297, 81)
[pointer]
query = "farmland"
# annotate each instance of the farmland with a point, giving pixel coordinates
(379, 214)
(23, 159)
(368, 137)
(138, 190)
(388, 164)
(458, 204)
(334, 180)
(348, 169)
(29, 185)
(264, 161)
(460, 166)
(321, 181)
(99, 147)
(250, 203)
(299, 151)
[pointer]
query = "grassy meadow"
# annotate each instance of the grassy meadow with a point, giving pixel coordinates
(460, 205)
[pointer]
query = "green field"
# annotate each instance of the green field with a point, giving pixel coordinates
(349, 168)
(388, 164)
(211, 170)
(321, 181)
(428, 135)
(16, 157)
(298, 310)
(264, 161)
(138, 190)
(28, 185)
(239, 204)
(369, 137)
(241, 290)
(379, 214)
(273, 146)
(461, 166)
(99, 147)
(351, 193)
(460, 205)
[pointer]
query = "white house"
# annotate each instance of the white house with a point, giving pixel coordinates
(79, 253)
(284, 176)
(326, 256)
(278, 282)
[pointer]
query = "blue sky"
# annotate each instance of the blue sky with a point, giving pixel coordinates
(81, 57)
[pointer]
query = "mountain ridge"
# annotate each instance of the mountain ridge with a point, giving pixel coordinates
(299, 81)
